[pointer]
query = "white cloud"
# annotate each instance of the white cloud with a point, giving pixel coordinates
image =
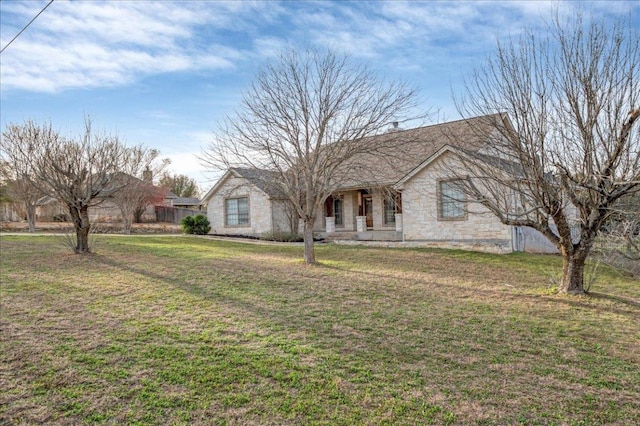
(83, 44)
(108, 43)
(268, 47)
(421, 31)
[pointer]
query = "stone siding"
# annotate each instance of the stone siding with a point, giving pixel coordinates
(420, 213)
(282, 210)
(260, 220)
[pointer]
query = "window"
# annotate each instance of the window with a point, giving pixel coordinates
(390, 210)
(333, 207)
(452, 201)
(337, 211)
(237, 211)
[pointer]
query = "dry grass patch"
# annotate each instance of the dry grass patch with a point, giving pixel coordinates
(184, 330)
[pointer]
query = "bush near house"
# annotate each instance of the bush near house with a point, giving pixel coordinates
(198, 225)
(284, 237)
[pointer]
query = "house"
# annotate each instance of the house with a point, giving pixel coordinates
(172, 200)
(104, 207)
(48, 209)
(173, 208)
(400, 192)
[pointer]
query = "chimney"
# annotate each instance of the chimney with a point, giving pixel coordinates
(394, 127)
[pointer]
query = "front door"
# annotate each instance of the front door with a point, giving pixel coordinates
(368, 210)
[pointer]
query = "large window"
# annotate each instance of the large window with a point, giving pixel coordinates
(237, 211)
(390, 210)
(452, 204)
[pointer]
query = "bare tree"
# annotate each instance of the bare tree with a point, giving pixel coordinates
(133, 187)
(16, 152)
(81, 173)
(565, 147)
(295, 120)
(181, 185)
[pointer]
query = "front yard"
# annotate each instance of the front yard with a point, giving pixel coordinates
(187, 330)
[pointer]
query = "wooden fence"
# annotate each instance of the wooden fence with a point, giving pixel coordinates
(174, 214)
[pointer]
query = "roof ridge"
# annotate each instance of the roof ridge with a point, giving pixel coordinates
(443, 123)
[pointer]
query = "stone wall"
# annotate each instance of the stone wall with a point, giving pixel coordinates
(259, 209)
(282, 210)
(420, 213)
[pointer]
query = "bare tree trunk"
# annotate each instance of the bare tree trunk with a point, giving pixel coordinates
(573, 272)
(137, 215)
(309, 250)
(83, 232)
(31, 216)
(80, 218)
(126, 225)
(127, 217)
(293, 217)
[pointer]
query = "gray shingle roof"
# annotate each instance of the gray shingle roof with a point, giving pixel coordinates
(185, 201)
(395, 154)
(266, 180)
(385, 159)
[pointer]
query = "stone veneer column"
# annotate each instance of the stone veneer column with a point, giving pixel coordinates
(361, 223)
(330, 225)
(398, 222)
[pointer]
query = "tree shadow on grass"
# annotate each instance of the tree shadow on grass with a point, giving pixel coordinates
(617, 299)
(620, 305)
(627, 306)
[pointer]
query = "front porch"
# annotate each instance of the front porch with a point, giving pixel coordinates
(362, 215)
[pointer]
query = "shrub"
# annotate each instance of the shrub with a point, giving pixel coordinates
(198, 225)
(283, 237)
(61, 218)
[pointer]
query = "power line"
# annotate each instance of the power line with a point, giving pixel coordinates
(26, 26)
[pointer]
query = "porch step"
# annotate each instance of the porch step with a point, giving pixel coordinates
(379, 236)
(334, 236)
(363, 236)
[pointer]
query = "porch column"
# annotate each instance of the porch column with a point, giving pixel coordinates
(398, 222)
(330, 224)
(361, 223)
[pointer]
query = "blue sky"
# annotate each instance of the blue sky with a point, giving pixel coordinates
(165, 73)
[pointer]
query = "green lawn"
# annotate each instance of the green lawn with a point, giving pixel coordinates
(187, 330)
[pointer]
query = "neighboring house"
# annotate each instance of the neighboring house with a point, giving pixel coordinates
(51, 210)
(187, 203)
(401, 192)
(11, 211)
(174, 208)
(48, 209)
(103, 209)
(172, 200)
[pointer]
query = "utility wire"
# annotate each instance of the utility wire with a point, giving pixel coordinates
(26, 26)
